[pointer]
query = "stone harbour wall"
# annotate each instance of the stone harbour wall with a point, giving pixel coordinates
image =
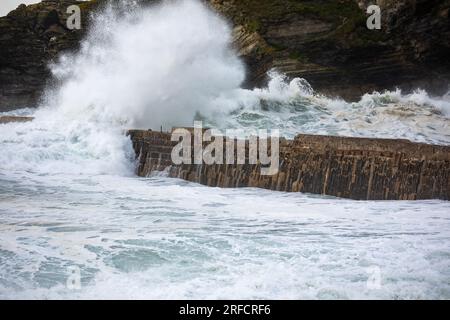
(8, 119)
(355, 168)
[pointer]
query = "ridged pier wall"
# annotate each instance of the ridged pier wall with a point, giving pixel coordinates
(355, 168)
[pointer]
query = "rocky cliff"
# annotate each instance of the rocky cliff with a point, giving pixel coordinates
(30, 38)
(327, 42)
(356, 168)
(324, 41)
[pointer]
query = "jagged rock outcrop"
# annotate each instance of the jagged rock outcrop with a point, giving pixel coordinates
(356, 168)
(323, 41)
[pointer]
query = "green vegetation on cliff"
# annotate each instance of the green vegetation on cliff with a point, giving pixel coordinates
(347, 19)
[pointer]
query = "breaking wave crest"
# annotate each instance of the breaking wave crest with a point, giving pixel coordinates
(136, 69)
(149, 67)
(294, 107)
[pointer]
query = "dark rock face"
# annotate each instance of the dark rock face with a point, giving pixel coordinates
(327, 43)
(355, 168)
(30, 38)
(323, 41)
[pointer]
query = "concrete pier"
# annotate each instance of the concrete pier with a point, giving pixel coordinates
(355, 168)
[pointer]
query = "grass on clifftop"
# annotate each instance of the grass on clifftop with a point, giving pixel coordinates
(256, 12)
(90, 5)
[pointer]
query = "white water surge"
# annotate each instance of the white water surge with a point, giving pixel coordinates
(69, 198)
